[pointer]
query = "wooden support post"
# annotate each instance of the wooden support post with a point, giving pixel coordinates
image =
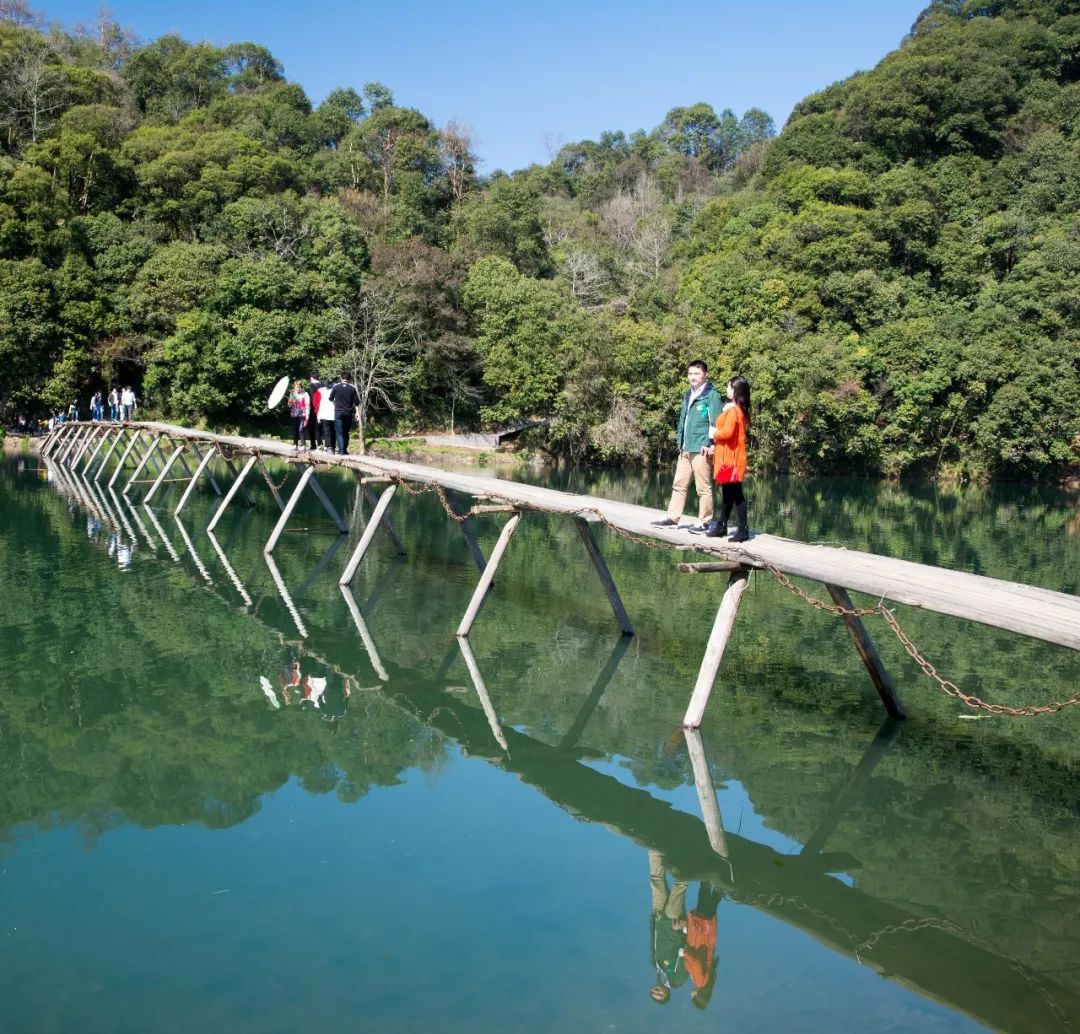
(233, 489)
(123, 458)
(325, 500)
(714, 651)
(142, 463)
(78, 433)
(97, 448)
(250, 499)
(51, 439)
(369, 534)
(710, 810)
(108, 454)
(164, 470)
(604, 574)
(286, 513)
(365, 634)
(867, 651)
(270, 482)
(152, 465)
(203, 463)
(95, 431)
(387, 524)
(481, 691)
(470, 537)
(202, 467)
(488, 575)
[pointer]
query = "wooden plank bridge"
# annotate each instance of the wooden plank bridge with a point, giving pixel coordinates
(91, 449)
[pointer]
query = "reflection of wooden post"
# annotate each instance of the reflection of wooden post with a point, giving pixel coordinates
(233, 576)
(365, 634)
(161, 531)
(369, 533)
(191, 549)
(577, 727)
(488, 575)
(309, 473)
(233, 489)
(284, 592)
(714, 652)
(710, 810)
(878, 748)
(606, 580)
(482, 693)
(865, 645)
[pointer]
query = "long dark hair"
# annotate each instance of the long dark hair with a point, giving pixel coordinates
(740, 389)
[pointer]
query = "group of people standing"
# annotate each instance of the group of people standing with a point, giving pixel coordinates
(323, 413)
(711, 437)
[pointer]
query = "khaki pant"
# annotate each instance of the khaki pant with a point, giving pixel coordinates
(669, 903)
(692, 465)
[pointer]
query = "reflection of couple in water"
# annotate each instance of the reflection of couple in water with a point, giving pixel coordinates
(683, 946)
(312, 688)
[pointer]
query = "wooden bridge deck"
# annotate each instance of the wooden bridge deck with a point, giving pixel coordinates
(1015, 607)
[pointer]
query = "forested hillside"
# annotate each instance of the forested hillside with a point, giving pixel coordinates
(896, 271)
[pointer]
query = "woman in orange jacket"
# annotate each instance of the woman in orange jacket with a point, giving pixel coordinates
(729, 459)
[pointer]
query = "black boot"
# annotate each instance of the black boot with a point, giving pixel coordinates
(742, 533)
(718, 529)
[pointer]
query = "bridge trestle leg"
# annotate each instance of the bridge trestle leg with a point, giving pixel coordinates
(97, 449)
(369, 533)
(287, 511)
(488, 576)
(204, 462)
(867, 651)
(706, 791)
(384, 520)
(604, 574)
(714, 651)
(124, 458)
(142, 463)
(233, 489)
(164, 471)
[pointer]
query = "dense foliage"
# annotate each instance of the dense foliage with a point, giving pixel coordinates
(896, 272)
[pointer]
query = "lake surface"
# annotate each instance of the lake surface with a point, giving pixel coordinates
(186, 843)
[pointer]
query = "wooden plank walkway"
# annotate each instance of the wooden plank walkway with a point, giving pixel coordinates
(1015, 607)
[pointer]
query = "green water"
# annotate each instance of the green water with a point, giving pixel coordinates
(177, 853)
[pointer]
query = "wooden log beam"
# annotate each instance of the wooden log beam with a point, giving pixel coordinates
(493, 508)
(233, 489)
(713, 567)
(369, 533)
(867, 651)
(600, 565)
(287, 512)
(714, 651)
(488, 575)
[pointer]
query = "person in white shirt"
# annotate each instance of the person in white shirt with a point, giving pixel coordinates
(127, 404)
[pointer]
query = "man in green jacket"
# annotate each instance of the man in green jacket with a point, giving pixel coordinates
(701, 406)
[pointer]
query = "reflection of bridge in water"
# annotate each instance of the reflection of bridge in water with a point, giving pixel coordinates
(1053, 617)
(930, 955)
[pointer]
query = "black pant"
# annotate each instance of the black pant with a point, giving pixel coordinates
(343, 425)
(329, 438)
(312, 430)
(732, 495)
(297, 429)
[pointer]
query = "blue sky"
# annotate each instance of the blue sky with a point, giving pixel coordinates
(529, 77)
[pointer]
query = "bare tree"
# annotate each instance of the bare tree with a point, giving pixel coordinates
(639, 226)
(585, 276)
(374, 332)
(456, 149)
(35, 87)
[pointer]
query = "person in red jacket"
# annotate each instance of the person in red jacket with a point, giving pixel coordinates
(729, 460)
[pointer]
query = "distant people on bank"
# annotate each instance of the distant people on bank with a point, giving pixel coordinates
(729, 461)
(701, 406)
(313, 429)
(128, 404)
(346, 399)
(299, 413)
(324, 416)
(667, 929)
